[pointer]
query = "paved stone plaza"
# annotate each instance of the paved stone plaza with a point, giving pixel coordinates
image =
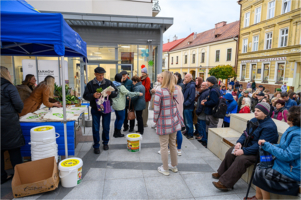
(119, 174)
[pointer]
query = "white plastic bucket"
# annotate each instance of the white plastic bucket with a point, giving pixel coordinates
(33, 158)
(71, 172)
(134, 142)
(42, 134)
(43, 147)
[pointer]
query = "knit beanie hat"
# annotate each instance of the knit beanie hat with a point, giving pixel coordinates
(212, 79)
(264, 107)
(144, 69)
(118, 78)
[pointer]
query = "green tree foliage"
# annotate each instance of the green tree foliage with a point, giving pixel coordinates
(222, 72)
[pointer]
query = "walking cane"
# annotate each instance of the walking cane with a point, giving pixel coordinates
(249, 186)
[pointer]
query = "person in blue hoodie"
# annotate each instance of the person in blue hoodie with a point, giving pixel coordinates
(245, 152)
(231, 108)
(189, 96)
(286, 162)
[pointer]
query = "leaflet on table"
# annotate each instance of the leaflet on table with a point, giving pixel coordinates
(31, 117)
(57, 115)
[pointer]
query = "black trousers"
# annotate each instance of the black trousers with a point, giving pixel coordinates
(15, 158)
(233, 167)
(226, 124)
(125, 123)
(140, 121)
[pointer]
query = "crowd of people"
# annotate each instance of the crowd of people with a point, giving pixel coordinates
(181, 107)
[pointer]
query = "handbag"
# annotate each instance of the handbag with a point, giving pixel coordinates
(131, 112)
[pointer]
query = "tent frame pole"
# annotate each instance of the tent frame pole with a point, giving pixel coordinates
(86, 84)
(64, 107)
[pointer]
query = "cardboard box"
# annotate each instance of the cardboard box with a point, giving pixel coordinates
(35, 177)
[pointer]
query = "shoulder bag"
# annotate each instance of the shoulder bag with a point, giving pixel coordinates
(131, 112)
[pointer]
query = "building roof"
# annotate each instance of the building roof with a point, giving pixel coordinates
(170, 45)
(223, 33)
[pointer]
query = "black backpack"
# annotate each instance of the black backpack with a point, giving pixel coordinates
(219, 111)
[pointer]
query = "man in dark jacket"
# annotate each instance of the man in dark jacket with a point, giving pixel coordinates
(200, 112)
(128, 84)
(11, 133)
(189, 96)
(244, 154)
(91, 95)
(211, 101)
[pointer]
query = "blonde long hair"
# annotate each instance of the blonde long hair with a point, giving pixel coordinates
(5, 73)
(49, 82)
(168, 82)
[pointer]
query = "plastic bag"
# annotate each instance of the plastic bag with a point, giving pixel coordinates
(266, 159)
(107, 106)
(99, 104)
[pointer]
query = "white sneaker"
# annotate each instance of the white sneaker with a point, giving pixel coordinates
(173, 169)
(159, 152)
(179, 153)
(162, 171)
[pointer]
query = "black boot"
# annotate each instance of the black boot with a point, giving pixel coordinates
(125, 128)
(118, 133)
(115, 135)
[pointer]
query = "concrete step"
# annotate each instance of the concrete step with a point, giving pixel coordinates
(215, 140)
(238, 122)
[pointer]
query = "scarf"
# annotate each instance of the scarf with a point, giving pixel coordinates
(143, 77)
(277, 111)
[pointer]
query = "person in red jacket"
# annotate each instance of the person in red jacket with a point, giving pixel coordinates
(146, 82)
(245, 105)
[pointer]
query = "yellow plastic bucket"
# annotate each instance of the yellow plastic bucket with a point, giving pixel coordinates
(134, 142)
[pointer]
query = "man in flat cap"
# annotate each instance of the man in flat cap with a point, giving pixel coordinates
(90, 94)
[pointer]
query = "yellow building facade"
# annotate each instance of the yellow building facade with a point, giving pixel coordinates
(197, 53)
(270, 43)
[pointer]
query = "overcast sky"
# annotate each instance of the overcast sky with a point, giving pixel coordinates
(197, 15)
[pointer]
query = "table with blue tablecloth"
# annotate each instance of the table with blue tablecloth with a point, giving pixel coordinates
(59, 128)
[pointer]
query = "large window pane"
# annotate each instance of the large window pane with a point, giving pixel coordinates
(243, 72)
(266, 73)
(280, 72)
(253, 75)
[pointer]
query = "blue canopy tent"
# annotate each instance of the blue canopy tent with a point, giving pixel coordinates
(27, 32)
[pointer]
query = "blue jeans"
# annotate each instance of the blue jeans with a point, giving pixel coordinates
(188, 119)
(120, 116)
(179, 139)
(202, 129)
(106, 119)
